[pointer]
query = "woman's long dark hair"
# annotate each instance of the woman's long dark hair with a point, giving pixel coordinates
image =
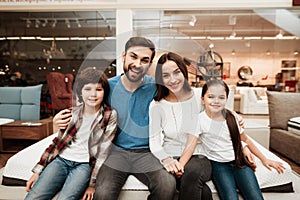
(162, 91)
(240, 160)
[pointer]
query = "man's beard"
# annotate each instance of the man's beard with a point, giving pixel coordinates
(131, 78)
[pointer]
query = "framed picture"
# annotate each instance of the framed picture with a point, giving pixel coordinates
(226, 69)
(288, 63)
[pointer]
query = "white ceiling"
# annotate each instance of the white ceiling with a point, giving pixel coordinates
(209, 24)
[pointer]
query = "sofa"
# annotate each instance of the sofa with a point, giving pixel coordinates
(282, 107)
(252, 100)
(20, 103)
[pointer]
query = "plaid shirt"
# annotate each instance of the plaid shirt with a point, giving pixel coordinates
(102, 133)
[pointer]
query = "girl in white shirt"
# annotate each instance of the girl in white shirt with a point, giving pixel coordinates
(221, 138)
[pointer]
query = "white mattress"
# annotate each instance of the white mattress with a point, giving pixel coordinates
(294, 125)
(19, 166)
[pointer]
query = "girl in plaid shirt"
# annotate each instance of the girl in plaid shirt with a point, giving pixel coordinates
(71, 163)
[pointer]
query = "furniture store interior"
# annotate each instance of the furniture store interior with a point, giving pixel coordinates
(254, 47)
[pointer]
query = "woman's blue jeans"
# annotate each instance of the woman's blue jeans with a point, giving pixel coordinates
(228, 178)
(69, 177)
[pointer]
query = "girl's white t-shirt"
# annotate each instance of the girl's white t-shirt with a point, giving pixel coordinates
(215, 141)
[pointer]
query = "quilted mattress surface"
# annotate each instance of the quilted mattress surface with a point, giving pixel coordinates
(19, 167)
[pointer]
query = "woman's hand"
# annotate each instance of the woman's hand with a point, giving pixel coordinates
(62, 119)
(173, 166)
(32, 181)
(89, 193)
(275, 164)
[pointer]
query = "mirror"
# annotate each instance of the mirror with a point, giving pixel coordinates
(245, 73)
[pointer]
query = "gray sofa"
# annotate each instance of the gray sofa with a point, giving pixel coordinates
(20, 103)
(282, 107)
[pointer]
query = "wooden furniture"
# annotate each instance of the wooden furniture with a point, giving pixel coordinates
(17, 135)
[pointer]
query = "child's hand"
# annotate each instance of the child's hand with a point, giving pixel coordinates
(275, 164)
(62, 119)
(89, 193)
(249, 157)
(32, 181)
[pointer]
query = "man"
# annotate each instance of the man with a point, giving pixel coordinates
(131, 94)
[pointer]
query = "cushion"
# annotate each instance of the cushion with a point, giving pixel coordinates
(294, 125)
(20, 103)
(252, 96)
(31, 94)
(10, 95)
(282, 107)
(260, 93)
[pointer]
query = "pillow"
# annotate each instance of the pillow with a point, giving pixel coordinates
(282, 107)
(252, 95)
(31, 94)
(10, 95)
(260, 91)
(294, 125)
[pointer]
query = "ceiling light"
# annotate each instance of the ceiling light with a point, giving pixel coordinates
(37, 23)
(28, 23)
(279, 35)
(45, 23)
(54, 23)
(247, 44)
(296, 53)
(78, 23)
(233, 34)
(68, 23)
(193, 21)
(232, 20)
(233, 52)
(268, 52)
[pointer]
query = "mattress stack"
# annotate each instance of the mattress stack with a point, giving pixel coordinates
(294, 125)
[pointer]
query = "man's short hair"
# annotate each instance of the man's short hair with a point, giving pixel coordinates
(141, 41)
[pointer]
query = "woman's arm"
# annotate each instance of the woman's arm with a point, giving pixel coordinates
(155, 140)
(156, 132)
(190, 146)
(188, 151)
(267, 162)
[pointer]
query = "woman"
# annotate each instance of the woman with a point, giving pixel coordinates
(71, 163)
(173, 114)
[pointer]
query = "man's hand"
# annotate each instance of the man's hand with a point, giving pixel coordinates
(62, 119)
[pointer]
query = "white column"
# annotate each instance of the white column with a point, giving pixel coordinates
(123, 33)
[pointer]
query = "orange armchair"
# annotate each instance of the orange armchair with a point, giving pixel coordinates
(61, 91)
